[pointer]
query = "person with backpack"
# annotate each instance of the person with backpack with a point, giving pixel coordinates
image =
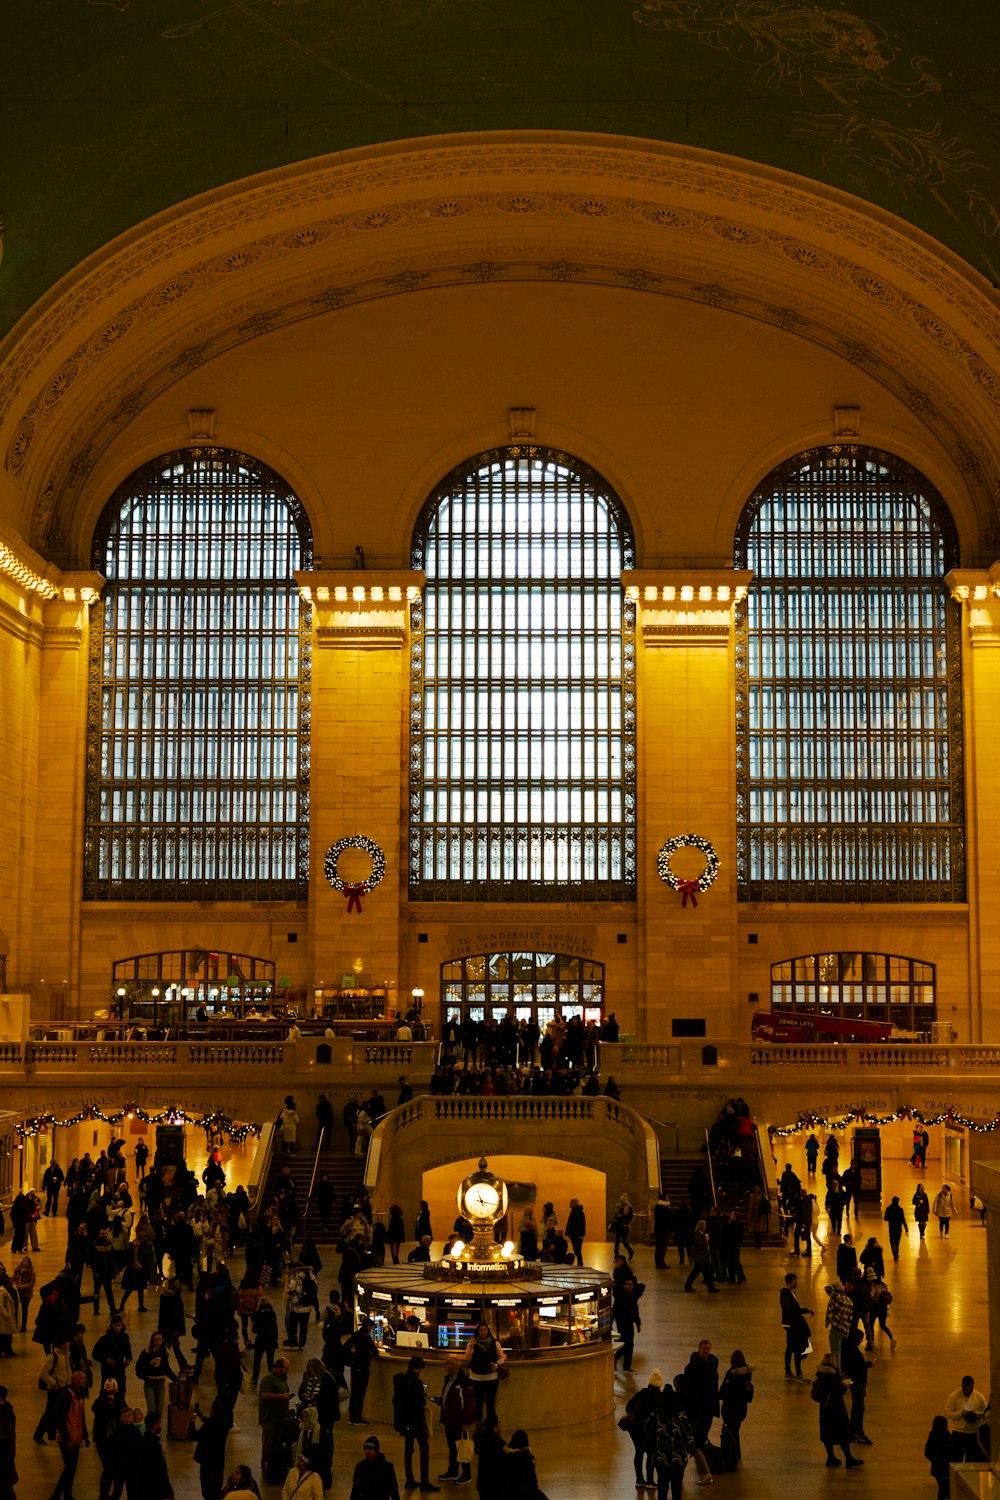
(409, 1418)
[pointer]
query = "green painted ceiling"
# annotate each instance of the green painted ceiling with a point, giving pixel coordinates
(111, 110)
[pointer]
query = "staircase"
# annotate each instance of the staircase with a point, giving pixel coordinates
(342, 1167)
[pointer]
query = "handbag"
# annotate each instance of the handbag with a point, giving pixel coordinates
(464, 1448)
(627, 1422)
(503, 1371)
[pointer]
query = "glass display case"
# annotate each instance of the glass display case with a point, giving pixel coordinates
(568, 1309)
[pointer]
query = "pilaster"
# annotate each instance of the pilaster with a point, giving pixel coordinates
(360, 679)
(978, 591)
(687, 745)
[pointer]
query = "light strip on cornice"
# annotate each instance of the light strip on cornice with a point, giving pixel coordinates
(24, 576)
(687, 593)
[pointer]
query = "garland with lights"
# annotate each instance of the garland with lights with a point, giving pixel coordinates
(824, 1122)
(687, 888)
(364, 887)
(38, 1124)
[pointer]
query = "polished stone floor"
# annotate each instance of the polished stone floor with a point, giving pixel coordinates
(940, 1318)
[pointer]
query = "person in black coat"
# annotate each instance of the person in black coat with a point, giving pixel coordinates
(148, 1476)
(854, 1367)
(210, 1448)
(491, 1451)
(735, 1395)
(702, 1379)
(113, 1351)
(641, 1406)
(829, 1389)
(520, 1477)
(576, 1228)
(374, 1476)
(625, 1314)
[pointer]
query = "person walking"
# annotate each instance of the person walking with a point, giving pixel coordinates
(640, 1408)
(881, 1302)
(701, 1375)
(23, 1282)
(621, 1224)
(829, 1389)
(625, 1315)
(153, 1479)
(836, 1202)
(895, 1218)
(944, 1210)
(288, 1120)
(106, 1412)
(840, 1315)
(70, 1421)
(672, 1439)
(701, 1259)
(55, 1378)
(921, 1209)
(793, 1321)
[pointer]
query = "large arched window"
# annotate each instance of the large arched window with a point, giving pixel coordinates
(522, 733)
(197, 751)
(849, 697)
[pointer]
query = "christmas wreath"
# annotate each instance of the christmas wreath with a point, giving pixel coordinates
(354, 892)
(687, 888)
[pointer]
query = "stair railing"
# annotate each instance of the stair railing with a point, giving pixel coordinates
(312, 1180)
(261, 1165)
(711, 1170)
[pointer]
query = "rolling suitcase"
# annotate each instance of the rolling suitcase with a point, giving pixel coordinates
(180, 1413)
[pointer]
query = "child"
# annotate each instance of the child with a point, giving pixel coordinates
(938, 1450)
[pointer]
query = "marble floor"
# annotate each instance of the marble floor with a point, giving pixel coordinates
(940, 1318)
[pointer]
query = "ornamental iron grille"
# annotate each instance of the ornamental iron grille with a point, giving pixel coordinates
(522, 987)
(522, 697)
(857, 987)
(198, 717)
(848, 686)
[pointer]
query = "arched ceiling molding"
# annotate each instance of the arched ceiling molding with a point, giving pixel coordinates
(580, 445)
(924, 457)
(643, 217)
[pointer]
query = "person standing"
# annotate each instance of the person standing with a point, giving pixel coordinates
(757, 1218)
(113, 1352)
(966, 1409)
(55, 1377)
(153, 1369)
(895, 1218)
(70, 1421)
(302, 1482)
(673, 1443)
(854, 1368)
(410, 1419)
(154, 1483)
(374, 1477)
(288, 1120)
(106, 1412)
(944, 1210)
(625, 1315)
(701, 1259)
(921, 1209)
(324, 1122)
(8, 1447)
(210, 1448)
(828, 1390)
(576, 1228)
(273, 1397)
(395, 1231)
(360, 1350)
(23, 1282)
(937, 1450)
(735, 1395)
(812, 1155)
(732, 1249)
(458, 1416)
(793, 1321)
(663, 1223)
(484, 1356)
(52, 1180)
(836, 1202)
(702, 1383)
(840, 1315)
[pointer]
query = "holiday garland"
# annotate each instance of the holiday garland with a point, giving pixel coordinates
(809, 1121)
(364, 887)
(217, 1121)
(687, 888)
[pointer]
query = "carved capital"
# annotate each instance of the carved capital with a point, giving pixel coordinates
(686, 606)
(978, 591)
(360, 609)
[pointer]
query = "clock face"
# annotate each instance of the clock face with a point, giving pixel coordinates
(482, 1200)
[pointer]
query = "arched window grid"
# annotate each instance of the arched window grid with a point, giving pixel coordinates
(197, 783)
(857, 987)
(849, 770)
(522, 708)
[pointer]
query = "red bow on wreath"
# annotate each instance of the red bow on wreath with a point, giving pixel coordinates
(354, 894)
(688, 888)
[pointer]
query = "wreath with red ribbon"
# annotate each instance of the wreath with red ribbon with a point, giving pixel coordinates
(354, 892)
(687, 889)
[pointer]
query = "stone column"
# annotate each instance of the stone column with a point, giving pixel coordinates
(357, 784)
(686, 777)
(978, 590)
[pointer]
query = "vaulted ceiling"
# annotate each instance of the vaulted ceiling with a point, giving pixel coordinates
(112, 110)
